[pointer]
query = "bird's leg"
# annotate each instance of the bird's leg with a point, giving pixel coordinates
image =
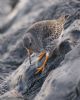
(41, 69)
(41, 55)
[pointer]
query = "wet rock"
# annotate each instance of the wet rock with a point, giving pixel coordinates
(63, 82)
(60, 80)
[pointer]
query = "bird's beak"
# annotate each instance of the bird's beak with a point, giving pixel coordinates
(30, 51)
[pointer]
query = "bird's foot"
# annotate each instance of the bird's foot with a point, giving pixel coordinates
(40, 69)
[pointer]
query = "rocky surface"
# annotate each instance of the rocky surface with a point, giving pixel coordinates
(61, 78)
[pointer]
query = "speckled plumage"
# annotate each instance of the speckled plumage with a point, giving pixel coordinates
(44, 35)
(44, 32)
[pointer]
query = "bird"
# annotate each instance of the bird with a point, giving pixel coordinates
(41, 37)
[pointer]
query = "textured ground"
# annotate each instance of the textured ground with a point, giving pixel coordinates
(61, 79)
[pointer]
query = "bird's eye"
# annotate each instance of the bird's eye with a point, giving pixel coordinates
(30, 44)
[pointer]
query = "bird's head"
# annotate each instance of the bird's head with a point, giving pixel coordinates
(30, 45)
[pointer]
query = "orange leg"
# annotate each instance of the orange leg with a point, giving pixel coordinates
(41, 69)
(41, 55)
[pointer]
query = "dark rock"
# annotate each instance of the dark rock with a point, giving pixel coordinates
(63, 82)
(60, 80)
